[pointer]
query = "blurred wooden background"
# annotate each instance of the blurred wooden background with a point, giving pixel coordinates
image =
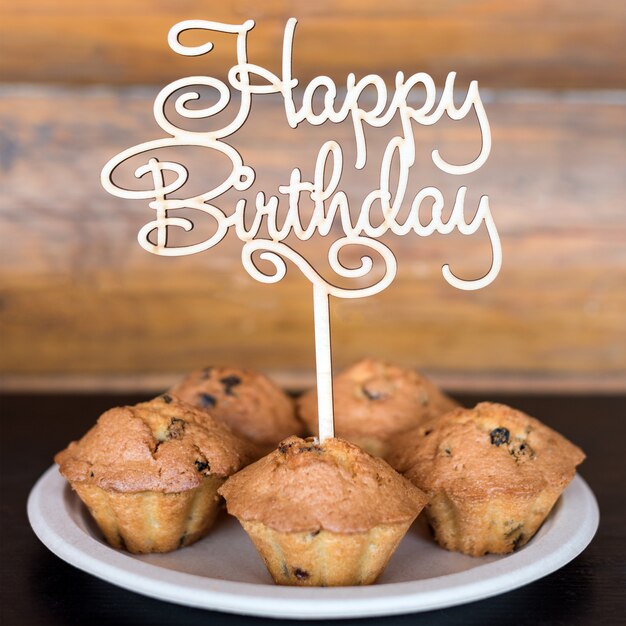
(83, 306)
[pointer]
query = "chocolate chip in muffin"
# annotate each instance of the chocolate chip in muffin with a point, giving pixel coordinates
(300, 574)
(513, 530)
(203, 467)
(378, 389)
(229, 382)
(518, 542)
(371, 394)
(522, 450)
(166, 398)
(499, 436)
(206, 400)
(176, 428)
(282, 448)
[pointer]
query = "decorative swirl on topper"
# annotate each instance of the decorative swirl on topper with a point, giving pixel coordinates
(330, 204)
(275, 253)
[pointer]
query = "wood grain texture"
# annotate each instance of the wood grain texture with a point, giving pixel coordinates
(81, 298)
(535, 43)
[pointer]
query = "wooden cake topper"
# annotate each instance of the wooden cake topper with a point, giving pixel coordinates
(330, 203)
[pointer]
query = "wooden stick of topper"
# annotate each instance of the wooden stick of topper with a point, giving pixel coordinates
(330, 203)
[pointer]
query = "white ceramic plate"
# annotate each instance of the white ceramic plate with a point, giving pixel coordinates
(224, 572)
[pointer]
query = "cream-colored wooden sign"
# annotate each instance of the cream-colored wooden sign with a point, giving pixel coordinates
(330, 204)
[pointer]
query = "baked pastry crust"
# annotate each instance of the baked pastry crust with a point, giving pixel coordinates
(492, 475)
(250, 403)
(163, 445)
(149, 473)
(323, 514)
(375, 400)
(304, 486)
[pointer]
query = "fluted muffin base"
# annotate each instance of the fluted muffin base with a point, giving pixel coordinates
(324, 558)
(493, 526)
(148, 521)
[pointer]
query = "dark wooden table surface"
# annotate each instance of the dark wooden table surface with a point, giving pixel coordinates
(38, 588)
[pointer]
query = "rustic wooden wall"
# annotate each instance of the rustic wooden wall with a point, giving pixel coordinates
(81, 304)
(534, 43)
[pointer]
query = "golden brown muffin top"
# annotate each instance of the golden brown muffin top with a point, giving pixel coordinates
(375, 398)
(305, 486)
(250, 403)
(163, 445)
(485, 451)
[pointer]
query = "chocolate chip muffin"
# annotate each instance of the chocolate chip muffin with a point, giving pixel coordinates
(251, 404)
(149, 473)
(374, 400)
(323, 514)
(492, 475)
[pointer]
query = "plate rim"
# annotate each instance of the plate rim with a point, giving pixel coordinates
(54, 526)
